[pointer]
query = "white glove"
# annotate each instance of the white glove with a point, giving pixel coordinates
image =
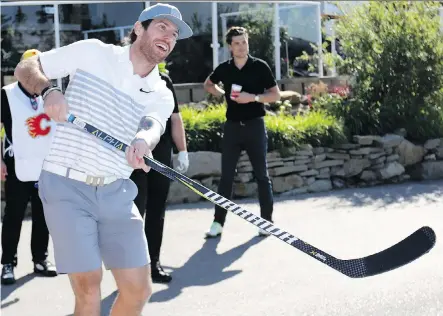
(183, 162)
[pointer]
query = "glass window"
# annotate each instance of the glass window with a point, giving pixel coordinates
(258, 19)
(23, 28)
(300, 21)
(106, 22)
(191, 59)
(103, 21)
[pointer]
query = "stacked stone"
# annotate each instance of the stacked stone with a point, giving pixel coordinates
(370, 160)
(432, 166)
(367, 161)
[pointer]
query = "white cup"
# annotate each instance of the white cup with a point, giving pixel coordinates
(235, 90)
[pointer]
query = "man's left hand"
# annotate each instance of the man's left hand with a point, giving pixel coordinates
(183, 162)
(135, 153)
(244, 97)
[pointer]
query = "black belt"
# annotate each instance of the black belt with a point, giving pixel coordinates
(245, 122)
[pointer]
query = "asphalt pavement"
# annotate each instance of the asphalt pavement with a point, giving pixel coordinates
(241, 274)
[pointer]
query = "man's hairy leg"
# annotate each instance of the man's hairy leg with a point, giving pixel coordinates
(86, 287)
(134, 290)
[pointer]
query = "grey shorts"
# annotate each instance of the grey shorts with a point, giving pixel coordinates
(93, 224)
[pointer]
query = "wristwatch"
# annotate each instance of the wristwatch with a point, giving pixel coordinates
(257, 98)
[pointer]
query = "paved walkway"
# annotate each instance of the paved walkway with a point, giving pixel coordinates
(243, 275)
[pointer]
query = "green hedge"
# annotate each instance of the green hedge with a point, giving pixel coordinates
(204, 129)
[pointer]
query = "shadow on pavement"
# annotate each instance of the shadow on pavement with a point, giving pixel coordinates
(383, 195)
(8, 289)
(203, 268)
(107, 303)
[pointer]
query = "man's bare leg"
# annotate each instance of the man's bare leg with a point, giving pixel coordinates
(134, 290)
(86, 287)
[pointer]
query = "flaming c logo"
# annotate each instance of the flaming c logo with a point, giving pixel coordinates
(35, 125)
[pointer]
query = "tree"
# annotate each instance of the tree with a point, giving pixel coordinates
(5, 19)
(394, 51)
(42, 15)
(20, 17)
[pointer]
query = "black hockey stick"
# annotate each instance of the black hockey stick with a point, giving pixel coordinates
(407, 250)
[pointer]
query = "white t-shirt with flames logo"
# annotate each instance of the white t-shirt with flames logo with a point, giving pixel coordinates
(32, 132)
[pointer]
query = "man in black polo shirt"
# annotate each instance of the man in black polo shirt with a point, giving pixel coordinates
(153, 187)
(244, 127)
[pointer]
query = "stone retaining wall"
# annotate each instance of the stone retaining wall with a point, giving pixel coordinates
(368, 161)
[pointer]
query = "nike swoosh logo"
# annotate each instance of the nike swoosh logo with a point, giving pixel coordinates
(141, 90)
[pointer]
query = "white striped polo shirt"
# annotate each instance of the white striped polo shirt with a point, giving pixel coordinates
(103, 91)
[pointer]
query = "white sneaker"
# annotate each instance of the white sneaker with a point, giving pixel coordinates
(214, 231)
(263, 233)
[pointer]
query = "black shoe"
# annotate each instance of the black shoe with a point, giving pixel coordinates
(45, 268)
(8, 276)
(159, 275)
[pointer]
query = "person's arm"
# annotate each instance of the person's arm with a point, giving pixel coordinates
(35, 73)
(151, 127)
(179, 137)
(30, 74)
(4, 170)
(6, 115)
(210, 84)
(178, 132)
(271, 93)
(153, 123)
(177, 127)
(212, 88)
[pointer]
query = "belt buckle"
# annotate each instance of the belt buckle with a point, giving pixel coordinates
(95, 181)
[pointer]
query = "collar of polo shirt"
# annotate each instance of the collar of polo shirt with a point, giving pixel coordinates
(151, 79)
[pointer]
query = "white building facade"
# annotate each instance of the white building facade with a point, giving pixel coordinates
(47, 24)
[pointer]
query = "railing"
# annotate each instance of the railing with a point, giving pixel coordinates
(194, 92)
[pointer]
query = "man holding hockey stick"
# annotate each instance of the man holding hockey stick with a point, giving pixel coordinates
(404, 252)
(85, 186)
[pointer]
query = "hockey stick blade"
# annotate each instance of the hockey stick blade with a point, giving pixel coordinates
(404, 252)
(409, 249)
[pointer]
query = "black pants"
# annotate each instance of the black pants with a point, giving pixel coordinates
(18, 194)
(153, 189)
(250, 136)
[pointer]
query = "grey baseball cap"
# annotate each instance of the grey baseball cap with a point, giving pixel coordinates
(169, 12)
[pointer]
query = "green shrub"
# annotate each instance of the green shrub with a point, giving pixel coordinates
(204, 129)
(394, 50)
(331, 103)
